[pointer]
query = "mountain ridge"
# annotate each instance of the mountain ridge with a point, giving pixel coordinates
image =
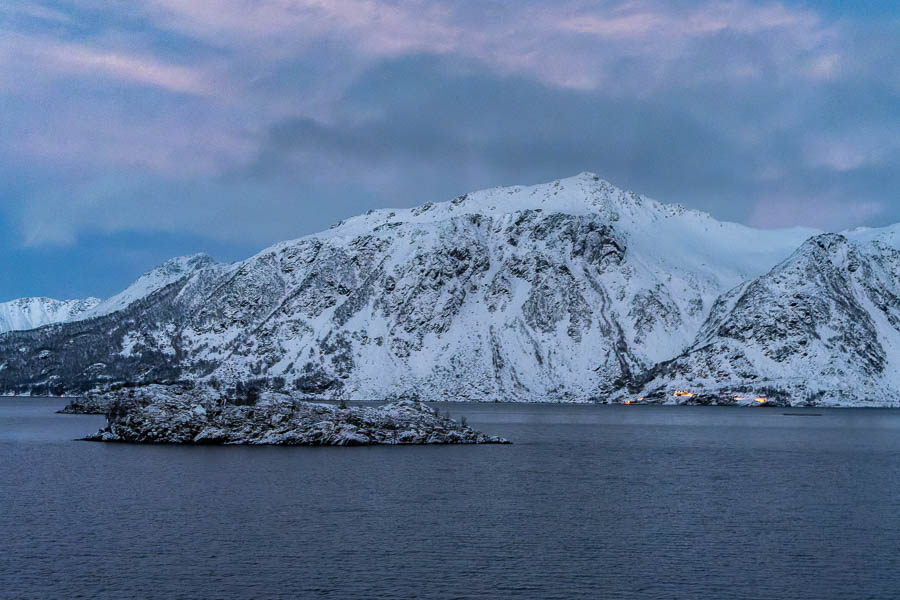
(33, 312)
(572, 290)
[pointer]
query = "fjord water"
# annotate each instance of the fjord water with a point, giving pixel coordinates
(589, 502)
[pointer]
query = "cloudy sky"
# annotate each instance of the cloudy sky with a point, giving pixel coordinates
(131, 132)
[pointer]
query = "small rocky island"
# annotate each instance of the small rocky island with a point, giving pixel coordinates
(91, 403)
(170, 415)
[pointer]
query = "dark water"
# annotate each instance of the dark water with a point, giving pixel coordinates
(590, 502)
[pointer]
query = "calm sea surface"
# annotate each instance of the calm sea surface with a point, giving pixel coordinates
(589, 502)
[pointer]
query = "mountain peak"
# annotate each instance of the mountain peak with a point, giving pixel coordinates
(155, 279)
(582, 194)
(182, 264)
(825, 248)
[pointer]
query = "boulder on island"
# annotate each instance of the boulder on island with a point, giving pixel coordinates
(161, 414)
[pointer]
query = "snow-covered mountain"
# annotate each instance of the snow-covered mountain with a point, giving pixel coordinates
(571, 290)
(824, 325)
(31, 313)
(557, 291)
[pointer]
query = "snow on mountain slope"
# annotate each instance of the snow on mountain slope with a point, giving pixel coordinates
(822, 326)
(29, 313)
(560, 290)
(151, 281)
(563, 291)
(888, 237)
(662, 233)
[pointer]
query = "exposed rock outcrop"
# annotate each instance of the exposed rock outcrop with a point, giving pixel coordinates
(92, 403)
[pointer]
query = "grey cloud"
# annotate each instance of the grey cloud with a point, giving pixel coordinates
(728, 121)
(440, 130)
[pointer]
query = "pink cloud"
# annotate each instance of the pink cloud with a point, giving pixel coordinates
(142, 70)
(642, 19)
(44, 56)
(549, 42)
(272, 26)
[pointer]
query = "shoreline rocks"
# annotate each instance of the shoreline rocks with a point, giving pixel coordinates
(163, 415)
(91, 403)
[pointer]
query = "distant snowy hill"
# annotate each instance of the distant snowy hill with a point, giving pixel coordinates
(573, 290)
(31, 313)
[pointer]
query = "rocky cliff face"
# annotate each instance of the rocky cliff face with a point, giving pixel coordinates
(573, 290)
